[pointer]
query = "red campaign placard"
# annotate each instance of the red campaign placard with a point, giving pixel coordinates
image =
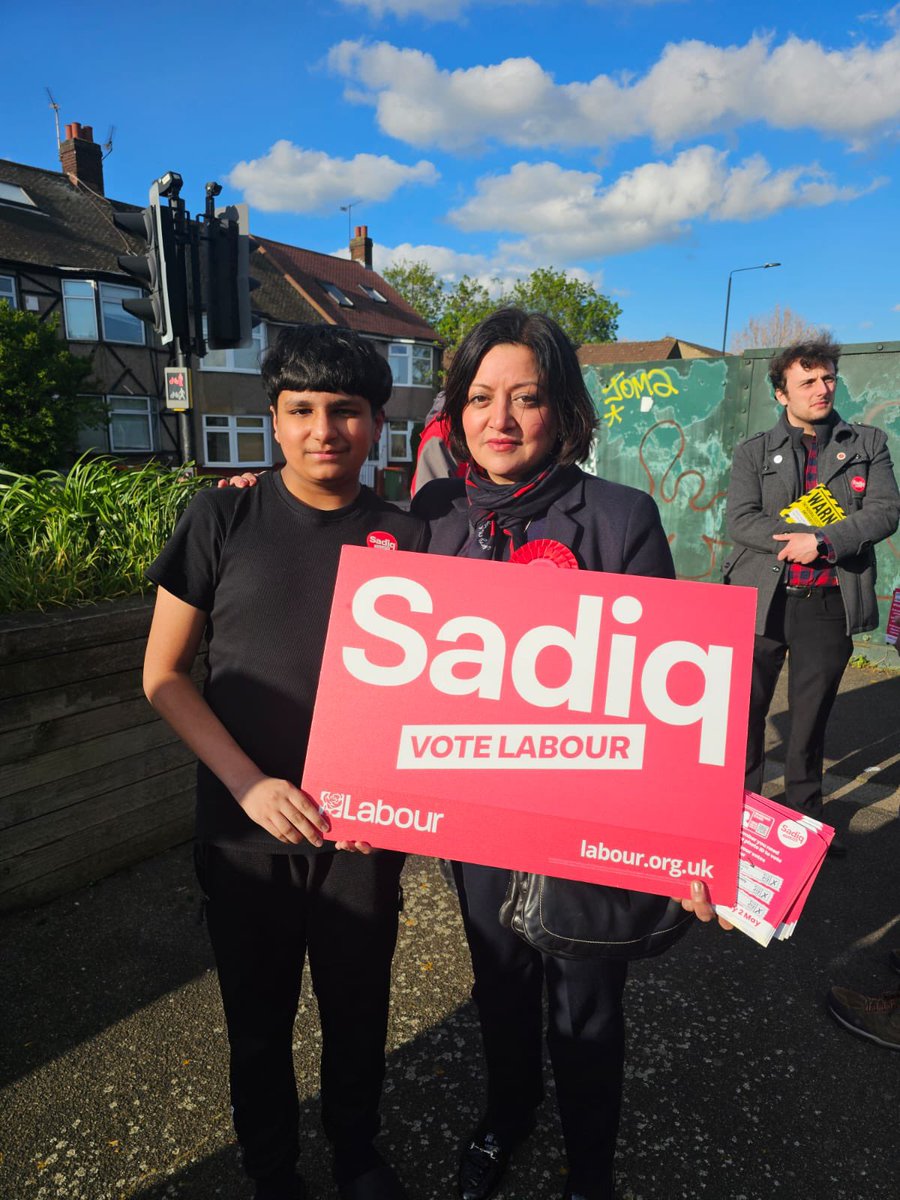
(574, 723)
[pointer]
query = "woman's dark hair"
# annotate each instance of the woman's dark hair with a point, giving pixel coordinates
(559, 377)
(326, 358)
(807, 354)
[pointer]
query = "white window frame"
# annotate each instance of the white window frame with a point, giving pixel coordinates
(232, 429)
(373, 293)
(402, 430)
(149, 414)
(405, 352)
(338, 295)
(126, 292)
(9, 295)
(74, 299)
(260, 341)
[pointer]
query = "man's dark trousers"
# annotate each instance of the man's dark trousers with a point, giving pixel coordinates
(265, 913)
(809, 625)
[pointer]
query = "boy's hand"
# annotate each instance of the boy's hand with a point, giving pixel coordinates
(248, 479)
(284, 811)
(699, 904)
(354, 847)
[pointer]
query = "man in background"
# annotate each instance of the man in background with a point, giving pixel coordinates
(808, 501)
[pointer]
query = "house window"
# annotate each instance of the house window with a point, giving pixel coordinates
(8, 290)
(373, 294)
(410, 364)
(11, 193)
(237, 441)
(244, 360)
(400, 441)
(336, 294)
(119, 325)
(80, 309)
(132, 424)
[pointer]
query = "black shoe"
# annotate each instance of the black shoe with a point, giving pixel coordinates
(484, 1162)
(874, 1017)
(380, 1183)
(604, 1190)
(291, 1188)
(837, 848)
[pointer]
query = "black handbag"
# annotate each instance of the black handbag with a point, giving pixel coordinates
(571, 919)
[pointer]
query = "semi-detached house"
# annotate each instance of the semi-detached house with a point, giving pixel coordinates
(58, 255)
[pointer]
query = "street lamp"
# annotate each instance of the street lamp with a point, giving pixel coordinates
(760, 267)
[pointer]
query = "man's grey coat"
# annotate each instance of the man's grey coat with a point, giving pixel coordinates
(855, 465)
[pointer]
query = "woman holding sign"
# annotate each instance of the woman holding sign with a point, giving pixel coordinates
(520, 416)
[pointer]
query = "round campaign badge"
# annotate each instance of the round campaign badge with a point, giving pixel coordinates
(792, 834)
(545, 552)
(858, 483)
(840, 456)
(379, 540)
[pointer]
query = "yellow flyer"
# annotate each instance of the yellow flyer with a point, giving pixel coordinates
(817, 507)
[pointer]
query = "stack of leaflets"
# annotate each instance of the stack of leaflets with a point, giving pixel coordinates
(892, 633)
(817, 507)
(781, 852)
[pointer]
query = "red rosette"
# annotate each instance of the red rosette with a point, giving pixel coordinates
(545, 552)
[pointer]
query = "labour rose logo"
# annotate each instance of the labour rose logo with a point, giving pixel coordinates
(331, 802)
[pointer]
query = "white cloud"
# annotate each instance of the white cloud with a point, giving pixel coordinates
(435, 10)
(693, 89)
(497, 272)
(567, 216)
(291, 179)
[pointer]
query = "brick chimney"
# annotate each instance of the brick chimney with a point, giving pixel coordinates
(361, 246)
(81, 157)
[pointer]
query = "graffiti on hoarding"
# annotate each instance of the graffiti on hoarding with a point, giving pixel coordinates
(641, 385)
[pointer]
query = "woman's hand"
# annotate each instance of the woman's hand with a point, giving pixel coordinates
(354, 847)
(699, 904)
(284, 811)
(248, 479)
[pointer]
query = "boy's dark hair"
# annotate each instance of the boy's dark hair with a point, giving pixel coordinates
(559, 376)
(326, 358)
(807, 354)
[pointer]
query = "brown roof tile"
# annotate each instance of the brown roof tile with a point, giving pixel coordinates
(309, 269)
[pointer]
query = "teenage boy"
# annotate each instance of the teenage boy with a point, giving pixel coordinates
(254, 569)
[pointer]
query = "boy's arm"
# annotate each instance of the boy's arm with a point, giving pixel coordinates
(275, 804)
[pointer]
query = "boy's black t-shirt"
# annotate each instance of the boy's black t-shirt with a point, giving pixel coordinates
(262, 565)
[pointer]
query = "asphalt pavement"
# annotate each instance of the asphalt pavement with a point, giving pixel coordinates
(113, 1078)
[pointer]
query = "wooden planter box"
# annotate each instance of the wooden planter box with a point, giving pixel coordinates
(90, 779)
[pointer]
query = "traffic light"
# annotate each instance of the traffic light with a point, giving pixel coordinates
(161, 271)
(226, 258)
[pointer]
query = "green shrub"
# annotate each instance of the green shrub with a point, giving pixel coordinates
(90, 534)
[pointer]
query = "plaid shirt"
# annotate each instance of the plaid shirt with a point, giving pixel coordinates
(813, 574)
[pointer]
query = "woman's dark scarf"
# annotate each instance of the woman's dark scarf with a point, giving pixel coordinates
(499, 513)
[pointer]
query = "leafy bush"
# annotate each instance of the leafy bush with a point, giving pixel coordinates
(90, 534)
(42, 405)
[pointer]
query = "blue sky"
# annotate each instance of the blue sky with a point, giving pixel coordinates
(650, 145)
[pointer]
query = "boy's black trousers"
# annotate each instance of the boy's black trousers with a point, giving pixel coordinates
(265, 913)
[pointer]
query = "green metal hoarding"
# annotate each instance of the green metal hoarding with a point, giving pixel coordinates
(670, 428)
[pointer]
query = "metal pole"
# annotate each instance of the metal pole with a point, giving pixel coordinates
(759, 267)
(727, 306)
